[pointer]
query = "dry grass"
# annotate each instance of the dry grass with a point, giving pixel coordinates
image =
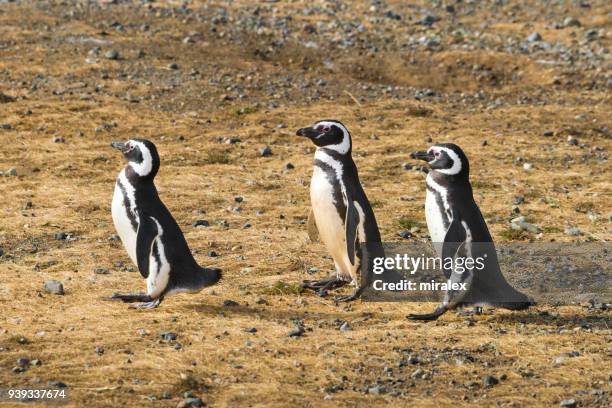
(70, 186)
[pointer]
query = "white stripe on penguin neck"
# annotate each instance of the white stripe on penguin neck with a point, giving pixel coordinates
(143, 168)
(456, 168)
(342, 147)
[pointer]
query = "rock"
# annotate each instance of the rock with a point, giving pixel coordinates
(490, 381)
(573, 232)
(519, 224)
(519, 200)
(229, 303)
(213, 254)
(251, 330)
(571, 22)
(23, 362)
(59, 139)
(6, 126)
(572, 141)
(101, 271)
(57, 384)
(377, 390)
(54, 287)
(60, 236)
(405, 234)
(18, 370)
(173, 66)
(527, 166)
(346, 327)
(99, 350)
(191, 403)
(261, 301)
(570, 403)
(168, 336)
(549, 133)
(112, 54)
(201, 223)
(534, 37)
(12, 172)
(266, 151)
(238, 199)
(289, 166)
(297, 332)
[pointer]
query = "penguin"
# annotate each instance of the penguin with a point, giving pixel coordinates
(458, 229)
(340, 208)
(149, 233)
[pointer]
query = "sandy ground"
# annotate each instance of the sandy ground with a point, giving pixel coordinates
(63, 102)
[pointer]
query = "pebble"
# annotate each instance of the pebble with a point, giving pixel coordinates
(201, 223)
(289, 166)
(490, 381)
(297, 332)
(573, 231)
(570, 403)
(6, 126)
(60, 236)
(173, 66)
(571, 22)
(11, 172)
(266, 151)
(229, 303)
(527, 166)
(251, 330)
(346, 327)
(23, 362)
(549, 133)
(572, 141)
(112, 54)
(519, 224)
(405, 234)
(377, 389)
(534, 37)
(54, 287)
(101, 271)
(58, 139)
(99, 350)
(56, 384)
(168, 336)
(191, 402)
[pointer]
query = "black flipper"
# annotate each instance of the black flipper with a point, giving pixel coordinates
(455, 236)
(350, 223)
(147, 232)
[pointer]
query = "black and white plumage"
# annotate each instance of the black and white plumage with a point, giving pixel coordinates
(340, 208)
(150, 235)
(458, 229)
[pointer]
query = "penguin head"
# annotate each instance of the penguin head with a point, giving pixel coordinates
(445, 158)
(142, 156)
(330, 134)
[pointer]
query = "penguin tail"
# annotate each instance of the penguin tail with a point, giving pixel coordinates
(210, 276)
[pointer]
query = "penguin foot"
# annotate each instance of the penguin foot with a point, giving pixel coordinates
(131, 297)
(429, 316)
(148, 305)
(354, 296)
(477, 310)
(323, 285)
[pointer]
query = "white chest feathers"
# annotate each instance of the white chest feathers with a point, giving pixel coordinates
(125, 214)
(437, 210)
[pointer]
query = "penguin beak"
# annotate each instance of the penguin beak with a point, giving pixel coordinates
(422, 155)
(308, 132)
(119, 146)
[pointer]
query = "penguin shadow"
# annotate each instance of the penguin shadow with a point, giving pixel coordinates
(268, 312)
(603, 321)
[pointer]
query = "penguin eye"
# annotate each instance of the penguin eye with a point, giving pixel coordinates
(437, 154)
(326, 129)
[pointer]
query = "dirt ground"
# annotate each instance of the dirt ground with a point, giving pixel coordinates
(192, 75)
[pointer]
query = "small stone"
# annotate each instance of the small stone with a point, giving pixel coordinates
(213, 254)
(57, 384)
(297, 332)
(571, 22)
(484, 143)
(6, 126)
(173, 66)
(201, 223)
(377, 389)
(101, 271)
(60, 236)
(168, 336)
(99, 350)
(23, 362)
(289, 166)
(346, 327)
(11, 172)
(54, 287)
(229, 303)
(112, 54)
(58, 139)
(238, 199)
(191, 403)
(418, 373)
(527, 166)
(490, 381)
(572, 141)
(519, 223)
(36, 362)
(251, 330)
(573, 231)
(570, 403)
(18, 370)
(405, 234)
(261, 301)
(534, 37)
(549, 133)
(519, 200)
(266, 151)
